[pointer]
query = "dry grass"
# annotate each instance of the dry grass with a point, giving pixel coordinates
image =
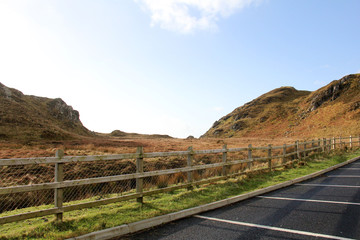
(100, 146)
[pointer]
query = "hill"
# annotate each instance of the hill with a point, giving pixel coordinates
(121, 134)
(26, 118)
(332, 110)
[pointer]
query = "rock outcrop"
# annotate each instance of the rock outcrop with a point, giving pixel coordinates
(60, 110)
(331, 92)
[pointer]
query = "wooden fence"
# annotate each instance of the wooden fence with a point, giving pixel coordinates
(266, 158)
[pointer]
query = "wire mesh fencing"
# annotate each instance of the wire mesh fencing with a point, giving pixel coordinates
(98, 169)
(25, 175)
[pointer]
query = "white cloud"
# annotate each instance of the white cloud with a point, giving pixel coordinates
(185, 16)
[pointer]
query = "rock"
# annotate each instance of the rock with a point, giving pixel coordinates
(5, 91)
(10, 93)
(241, 115)
(216, 123)
(331, 93)
(263, 119)
(225, 118)
(354, 106)
(240, 125)
(218, 131)
(190, 137)
(60, 110)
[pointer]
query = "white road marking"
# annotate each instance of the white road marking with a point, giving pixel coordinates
(310, 200)
(273, 228)
(325, 185)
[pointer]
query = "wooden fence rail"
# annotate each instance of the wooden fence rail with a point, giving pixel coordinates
(253, 163)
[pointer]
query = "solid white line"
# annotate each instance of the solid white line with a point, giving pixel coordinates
(273, 228)
(326, 185)
(345, 176)
(310, 200)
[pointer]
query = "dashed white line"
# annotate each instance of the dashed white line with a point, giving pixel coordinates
(326, 185)
(273, 228)
(310, 200)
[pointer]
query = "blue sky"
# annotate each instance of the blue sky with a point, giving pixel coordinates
(173, 66)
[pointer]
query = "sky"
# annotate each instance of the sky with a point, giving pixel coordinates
(172, 66)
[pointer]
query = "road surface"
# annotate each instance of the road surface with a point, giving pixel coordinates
(327, 207)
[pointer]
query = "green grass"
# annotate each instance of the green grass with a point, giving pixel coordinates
(88, 220)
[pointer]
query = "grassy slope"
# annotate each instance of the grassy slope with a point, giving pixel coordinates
(88, 220)
(285, 112)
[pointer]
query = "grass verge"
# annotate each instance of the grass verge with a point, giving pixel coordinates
(93, 219)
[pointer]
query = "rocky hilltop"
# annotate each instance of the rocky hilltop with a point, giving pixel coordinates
(331, 110)
(24, 117)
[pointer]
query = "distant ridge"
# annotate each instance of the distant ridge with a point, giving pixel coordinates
(121, 134)
(332, 110)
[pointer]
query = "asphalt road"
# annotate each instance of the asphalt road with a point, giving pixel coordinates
(327, 207)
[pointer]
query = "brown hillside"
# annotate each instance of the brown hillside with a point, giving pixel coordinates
(332, 110)
(27, 118)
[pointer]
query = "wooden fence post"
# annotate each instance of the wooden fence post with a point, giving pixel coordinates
(284, 153)
(345, 143)
(305, 153)
(224, 160)
(334, 143)
(313, 144)
(249, 164)
(189, 164)
(319, 145)
(269, 158)
(340, 143)
(139, 169)
(297, 149)
(326, 145)
(59, 177)
(351, 144)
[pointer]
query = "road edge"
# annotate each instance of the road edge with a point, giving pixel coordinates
(156, 221)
